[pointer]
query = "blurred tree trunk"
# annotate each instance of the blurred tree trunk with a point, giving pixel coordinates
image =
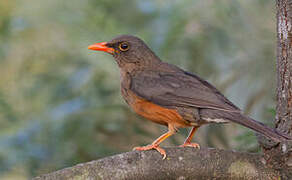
(187, 163)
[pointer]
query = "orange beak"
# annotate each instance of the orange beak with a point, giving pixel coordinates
(101, 47)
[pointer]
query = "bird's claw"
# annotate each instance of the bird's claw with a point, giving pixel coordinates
(194, 145)
(152, 146)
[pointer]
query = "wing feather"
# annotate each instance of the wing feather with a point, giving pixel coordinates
(173, 89)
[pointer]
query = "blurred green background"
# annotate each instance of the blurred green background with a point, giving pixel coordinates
(60, 103)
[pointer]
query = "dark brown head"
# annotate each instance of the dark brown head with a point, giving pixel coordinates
(127, 49)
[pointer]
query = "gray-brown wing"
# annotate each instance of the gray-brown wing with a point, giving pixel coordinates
(179, 89)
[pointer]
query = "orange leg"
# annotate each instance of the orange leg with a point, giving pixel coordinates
(155, 144)
(188, 142)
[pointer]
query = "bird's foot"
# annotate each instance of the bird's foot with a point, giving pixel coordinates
(152, 146)
(194, 145)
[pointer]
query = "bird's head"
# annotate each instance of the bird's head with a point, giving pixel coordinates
(127, 49)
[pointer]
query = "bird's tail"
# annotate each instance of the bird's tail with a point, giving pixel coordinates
(258, 127)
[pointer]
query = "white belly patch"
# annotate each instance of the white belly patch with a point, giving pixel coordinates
(216, 120)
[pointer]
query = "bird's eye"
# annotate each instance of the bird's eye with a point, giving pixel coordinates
(124, 46)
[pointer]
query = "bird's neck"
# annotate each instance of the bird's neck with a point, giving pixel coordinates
(150, 62)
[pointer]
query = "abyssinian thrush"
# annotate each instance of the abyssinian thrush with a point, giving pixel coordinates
(168, 95)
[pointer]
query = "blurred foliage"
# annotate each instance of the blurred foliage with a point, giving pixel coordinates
(60, 103)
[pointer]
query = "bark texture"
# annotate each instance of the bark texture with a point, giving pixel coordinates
(284, 66)
(180, 164)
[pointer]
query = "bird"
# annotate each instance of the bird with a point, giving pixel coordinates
(168, 95)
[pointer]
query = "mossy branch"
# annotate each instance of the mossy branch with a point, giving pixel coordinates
(181, 163)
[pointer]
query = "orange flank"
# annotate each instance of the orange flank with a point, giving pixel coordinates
(156, 113)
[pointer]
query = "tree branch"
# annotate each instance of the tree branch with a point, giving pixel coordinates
(181, 163)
